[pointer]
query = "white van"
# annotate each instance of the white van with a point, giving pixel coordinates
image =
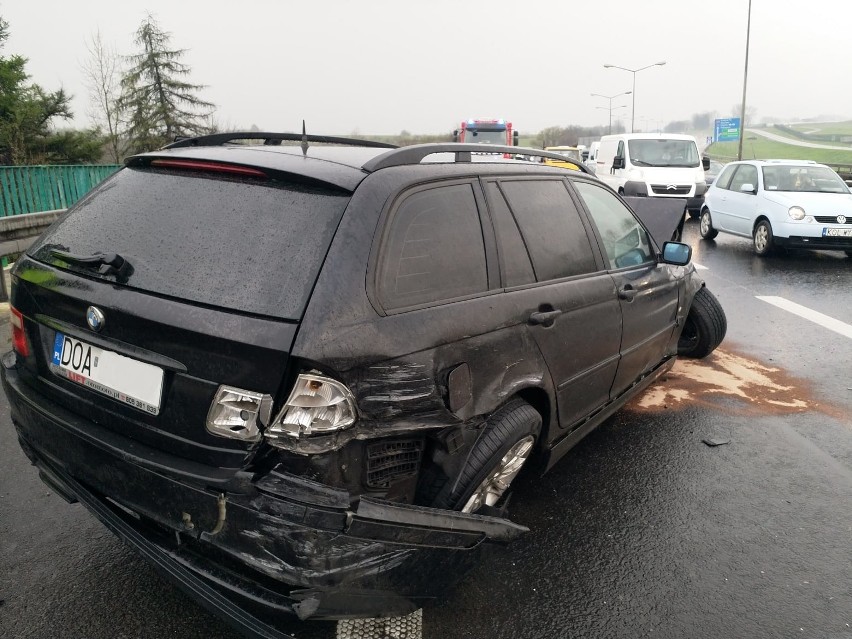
(653, 165)
(593, 155)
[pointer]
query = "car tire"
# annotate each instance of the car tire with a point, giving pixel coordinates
(704, 328)
(693, 214)
(763, 240)
(705, 226)
(503, 447)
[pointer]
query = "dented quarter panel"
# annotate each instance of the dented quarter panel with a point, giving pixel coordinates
(340, 333)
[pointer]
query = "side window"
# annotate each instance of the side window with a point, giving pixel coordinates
(724, 179)
(625, 241)
(551, 228)
(434, 249)
(515, 262)
(746, 174)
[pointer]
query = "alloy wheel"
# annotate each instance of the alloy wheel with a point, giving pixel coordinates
(761, 238)
(495, 484)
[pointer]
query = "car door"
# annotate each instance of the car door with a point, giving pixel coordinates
(647, 290)
(717, 197)
(560, 289)
(740, 206)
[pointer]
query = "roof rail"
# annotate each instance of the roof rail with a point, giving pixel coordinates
(272, 139)
(414, 154)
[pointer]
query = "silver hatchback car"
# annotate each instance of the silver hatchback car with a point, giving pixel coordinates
(780, 204)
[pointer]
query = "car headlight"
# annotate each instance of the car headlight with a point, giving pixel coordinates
(796, 212)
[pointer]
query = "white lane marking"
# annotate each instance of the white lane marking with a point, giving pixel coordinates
(803, 311)
(701, 267)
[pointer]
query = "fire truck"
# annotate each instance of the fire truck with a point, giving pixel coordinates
(486, 132)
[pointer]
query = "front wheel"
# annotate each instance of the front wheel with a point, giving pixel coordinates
(705, 226)
(704, 328)
(764, 241)
(495, 460)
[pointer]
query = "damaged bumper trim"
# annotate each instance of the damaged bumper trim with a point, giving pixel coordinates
(282, 544)
(169, 566)
(396, 523)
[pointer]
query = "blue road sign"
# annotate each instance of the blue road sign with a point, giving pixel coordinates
(727, 130)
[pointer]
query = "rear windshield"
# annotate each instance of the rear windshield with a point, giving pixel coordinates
(247, 246)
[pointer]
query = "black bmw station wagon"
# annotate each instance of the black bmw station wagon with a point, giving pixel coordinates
(301, 380)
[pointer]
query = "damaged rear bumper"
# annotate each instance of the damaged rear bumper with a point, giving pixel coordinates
(246, 547)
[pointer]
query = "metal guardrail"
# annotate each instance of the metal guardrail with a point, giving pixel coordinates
(18, 232)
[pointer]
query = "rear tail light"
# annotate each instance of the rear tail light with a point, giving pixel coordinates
(214, 167)
(317, 405)
(19, 335)
(239, 414)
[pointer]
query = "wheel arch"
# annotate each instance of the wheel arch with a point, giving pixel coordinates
(539, 399)
(761, 217)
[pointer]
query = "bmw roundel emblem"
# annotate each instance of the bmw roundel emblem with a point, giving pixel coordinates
(841, 219)
(95, 318)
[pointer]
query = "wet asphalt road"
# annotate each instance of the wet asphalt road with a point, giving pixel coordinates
(641, 531)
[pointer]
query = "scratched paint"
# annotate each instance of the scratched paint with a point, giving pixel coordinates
(731, 382)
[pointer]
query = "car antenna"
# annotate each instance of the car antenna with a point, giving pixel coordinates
(304, 140)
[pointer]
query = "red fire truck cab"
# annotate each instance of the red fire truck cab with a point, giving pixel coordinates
(486, 132)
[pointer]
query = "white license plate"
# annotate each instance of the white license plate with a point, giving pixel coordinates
(837, 232)
(127, 380)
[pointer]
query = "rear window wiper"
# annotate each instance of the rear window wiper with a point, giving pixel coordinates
(105, 263)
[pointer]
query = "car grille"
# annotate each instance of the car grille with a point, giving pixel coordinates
(392, 460)
(663, 189)
(831, 219)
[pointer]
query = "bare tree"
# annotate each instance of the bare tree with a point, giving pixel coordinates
(102, 72)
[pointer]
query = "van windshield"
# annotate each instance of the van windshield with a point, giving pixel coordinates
(662, 152)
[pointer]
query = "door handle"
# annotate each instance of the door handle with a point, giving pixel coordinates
(544, 318)
(627, 292)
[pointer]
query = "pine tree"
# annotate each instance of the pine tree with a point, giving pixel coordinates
(159, 103)
(26, 114)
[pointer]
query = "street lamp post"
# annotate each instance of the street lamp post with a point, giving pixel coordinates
(745, 83)
(610, 98)
(634, 72)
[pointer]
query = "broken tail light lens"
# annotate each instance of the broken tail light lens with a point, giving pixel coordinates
(317, 405)
(238, 414)
(19, 335)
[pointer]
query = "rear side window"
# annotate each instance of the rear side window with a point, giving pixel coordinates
(551, 228)
(724, 179)
(249, 246)
(514, 259)
(434, 250)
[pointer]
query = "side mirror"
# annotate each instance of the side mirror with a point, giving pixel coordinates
(514, 138)
(456, 135)
(705, 162)
(748, 188)
(618, 163)
(677, 253)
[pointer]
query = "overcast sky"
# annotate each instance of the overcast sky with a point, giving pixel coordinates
(378, 67)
